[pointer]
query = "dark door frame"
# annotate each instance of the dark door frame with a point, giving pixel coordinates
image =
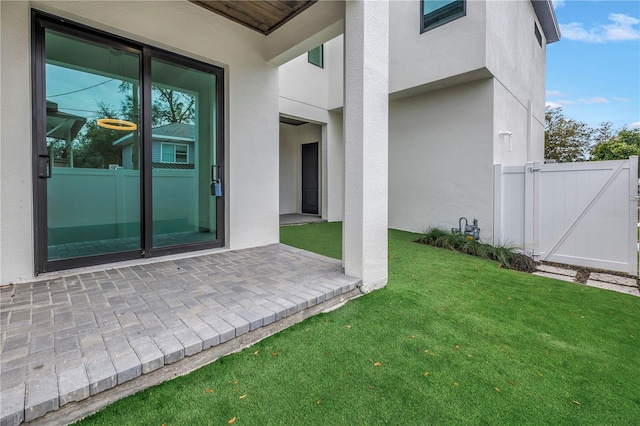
(314, 177)
(41, 163)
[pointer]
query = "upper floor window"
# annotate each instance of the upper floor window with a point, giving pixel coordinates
(438, 12)
(316, 56)
(536, 31)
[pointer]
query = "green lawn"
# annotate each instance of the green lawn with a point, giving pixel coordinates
(451, 340)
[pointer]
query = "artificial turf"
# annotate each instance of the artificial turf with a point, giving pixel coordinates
(451, 339)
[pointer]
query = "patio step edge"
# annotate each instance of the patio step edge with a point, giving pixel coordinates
(74, 411)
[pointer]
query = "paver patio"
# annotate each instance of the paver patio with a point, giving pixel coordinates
(67, 338)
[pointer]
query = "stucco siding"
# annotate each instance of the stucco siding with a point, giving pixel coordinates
(305, 82)
(510, 115)
(333, 168)
(16, 190)
(289, 166)
(440, 158)
(514, 56)
(454, 48)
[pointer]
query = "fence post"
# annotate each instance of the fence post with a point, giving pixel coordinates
(530, 243)
(498, 201)
(633, 215)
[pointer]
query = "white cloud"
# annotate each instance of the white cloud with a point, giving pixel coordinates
(552, 105)
(622, 28)
(558, 3)
(634, 125)
(553, 93)
(621, 99)
(594, 100)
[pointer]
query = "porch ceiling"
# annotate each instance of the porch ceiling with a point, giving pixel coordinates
(263, 16)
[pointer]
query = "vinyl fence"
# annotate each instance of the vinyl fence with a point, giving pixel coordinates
(583, 214)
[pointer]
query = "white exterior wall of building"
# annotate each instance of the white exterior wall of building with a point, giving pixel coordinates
(334, 60)
(309, 93)
(16, 227)
(452, 49)
(289, 167)
(518, 63)
(251, 97)
(304, 82)
(494, 45)
(440, 156)
(333, 168)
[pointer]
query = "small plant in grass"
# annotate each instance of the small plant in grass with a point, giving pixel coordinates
(509, 258)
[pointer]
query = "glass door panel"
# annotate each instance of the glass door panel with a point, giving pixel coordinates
(183, 152)
(93, 145)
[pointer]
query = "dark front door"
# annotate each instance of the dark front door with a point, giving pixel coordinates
(310, 178)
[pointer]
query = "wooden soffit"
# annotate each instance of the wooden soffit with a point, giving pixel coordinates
(263, 16)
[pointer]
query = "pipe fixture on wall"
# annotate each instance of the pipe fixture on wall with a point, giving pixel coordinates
(503, 133)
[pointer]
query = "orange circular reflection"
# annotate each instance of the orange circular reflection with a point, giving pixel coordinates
(115, 124)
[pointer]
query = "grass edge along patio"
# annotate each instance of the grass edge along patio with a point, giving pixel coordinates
(452, 339)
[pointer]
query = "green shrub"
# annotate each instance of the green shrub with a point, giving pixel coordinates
(508, 258)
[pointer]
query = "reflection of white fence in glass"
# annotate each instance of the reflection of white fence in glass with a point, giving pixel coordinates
(574, 213)
(97, 197)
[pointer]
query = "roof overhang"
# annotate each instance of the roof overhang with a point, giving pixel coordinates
(264, 16)
(547, 17)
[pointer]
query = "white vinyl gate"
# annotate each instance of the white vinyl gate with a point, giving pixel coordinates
(582, 214)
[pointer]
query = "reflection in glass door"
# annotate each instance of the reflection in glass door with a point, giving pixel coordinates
(127, 149)
(91, 165)
(183, 151)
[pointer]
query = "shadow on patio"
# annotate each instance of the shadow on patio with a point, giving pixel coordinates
(117, 331)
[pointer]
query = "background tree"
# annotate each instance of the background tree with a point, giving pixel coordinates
(565, 139)
(167, 106)
(625, 144)
(94, 148)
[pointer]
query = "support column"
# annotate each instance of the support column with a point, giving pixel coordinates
(366, 116)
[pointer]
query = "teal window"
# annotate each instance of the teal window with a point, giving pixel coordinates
(439, 12)
(316, 56)
(174, 153)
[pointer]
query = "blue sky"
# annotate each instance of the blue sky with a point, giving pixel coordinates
(593, 72)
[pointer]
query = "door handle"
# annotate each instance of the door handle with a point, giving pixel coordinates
(48, 168)
(215, 172)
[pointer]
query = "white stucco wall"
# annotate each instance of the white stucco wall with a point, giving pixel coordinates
(311, 85)
(518, 62)
(334, 60)
(494, 45)
(510, 115)
(333, 168)
(251, 92)
(304, 82)
(16, 227)
(289, 166)
(454, 48)
(291, 139)
(440, 158)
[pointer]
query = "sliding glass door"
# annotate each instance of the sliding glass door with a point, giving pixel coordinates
(127, 149)
(183, 154)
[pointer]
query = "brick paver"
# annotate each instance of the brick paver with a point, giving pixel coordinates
(68, 337)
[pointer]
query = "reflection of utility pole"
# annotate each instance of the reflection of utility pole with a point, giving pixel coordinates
(135, 137)
(69, 147)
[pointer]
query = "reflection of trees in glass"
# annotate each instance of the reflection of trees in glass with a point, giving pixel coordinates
(95, 144)
(94, 147)
(167, 106)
